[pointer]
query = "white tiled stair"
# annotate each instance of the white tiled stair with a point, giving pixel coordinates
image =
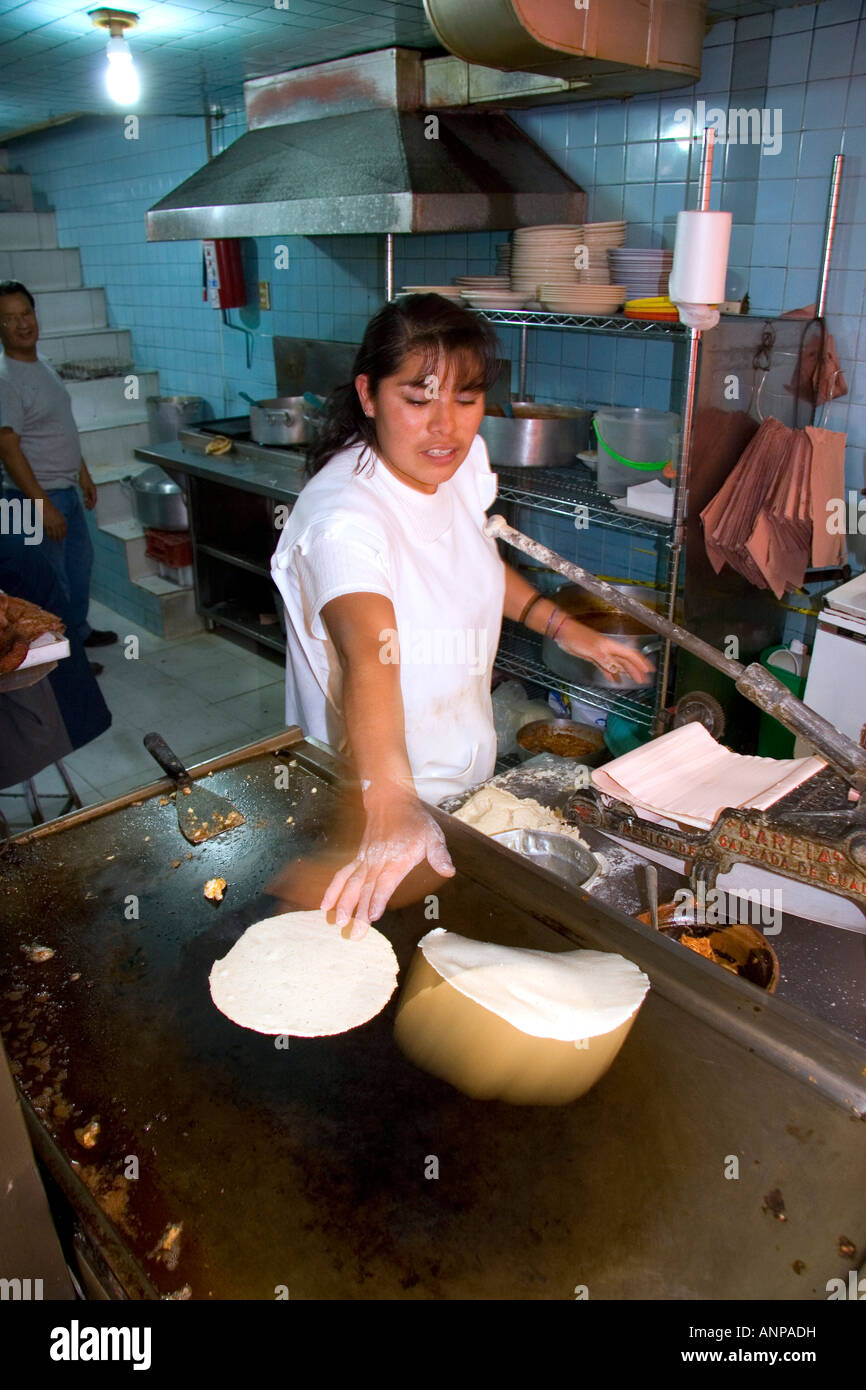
(115, 509)
(28, 231)
(58, 269)
(110, 451)
(61, 310)
(16, 194)
(73, 328)
(85, 344)
(138, 564)
(106, 401)
(115, 515)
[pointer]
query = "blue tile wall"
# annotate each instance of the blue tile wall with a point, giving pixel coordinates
(805, 65)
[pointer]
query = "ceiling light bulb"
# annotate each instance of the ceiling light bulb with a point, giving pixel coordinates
(121, 78)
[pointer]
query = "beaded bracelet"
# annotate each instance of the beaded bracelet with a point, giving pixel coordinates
(530, 604)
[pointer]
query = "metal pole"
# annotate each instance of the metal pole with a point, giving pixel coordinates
(681, 482)
(829, 233)
(521, 386)
(681, 489)
(706, 175)
(389, 266)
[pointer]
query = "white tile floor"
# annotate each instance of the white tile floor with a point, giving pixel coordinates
(204, 694)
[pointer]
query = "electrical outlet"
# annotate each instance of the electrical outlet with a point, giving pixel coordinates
(264, 295)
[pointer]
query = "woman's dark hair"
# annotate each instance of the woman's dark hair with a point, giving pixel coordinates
(16, 287)
(428, 324)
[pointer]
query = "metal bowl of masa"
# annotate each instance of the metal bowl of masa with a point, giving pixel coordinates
(564, 855)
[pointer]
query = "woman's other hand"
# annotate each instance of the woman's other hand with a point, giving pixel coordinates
(614, 658)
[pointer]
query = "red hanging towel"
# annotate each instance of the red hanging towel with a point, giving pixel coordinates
(769, 519)
(828, 485)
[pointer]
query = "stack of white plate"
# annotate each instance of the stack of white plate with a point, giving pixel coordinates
(447, 291)
(545, 255)
(643, 271)
(482, 282)
(598, 238)
(489, 292)
(582, 299)
(503, 258)
(495, 299)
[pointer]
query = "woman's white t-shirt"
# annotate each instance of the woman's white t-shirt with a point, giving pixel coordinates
(368, 532)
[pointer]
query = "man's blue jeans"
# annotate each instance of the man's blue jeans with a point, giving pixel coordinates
(72, 558)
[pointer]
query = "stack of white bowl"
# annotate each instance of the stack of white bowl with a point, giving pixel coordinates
(545, 255)
(503, 258)
(582, 299)
(643, 270)
(598, 238)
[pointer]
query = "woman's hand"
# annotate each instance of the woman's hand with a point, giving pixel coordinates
(399, 834)
(614, 658)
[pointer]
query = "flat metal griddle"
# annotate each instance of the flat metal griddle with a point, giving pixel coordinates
(305, 1168)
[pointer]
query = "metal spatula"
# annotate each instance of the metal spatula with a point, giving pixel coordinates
(200, 814)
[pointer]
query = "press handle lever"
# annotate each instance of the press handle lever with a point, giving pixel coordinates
(168, 761)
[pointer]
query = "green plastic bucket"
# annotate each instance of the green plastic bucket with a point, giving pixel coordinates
(634, 446)
(774, 740)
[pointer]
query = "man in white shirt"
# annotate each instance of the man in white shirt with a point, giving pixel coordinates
(41, 454)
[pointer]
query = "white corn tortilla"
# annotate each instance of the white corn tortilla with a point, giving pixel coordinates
(565, 995)
(298, 974)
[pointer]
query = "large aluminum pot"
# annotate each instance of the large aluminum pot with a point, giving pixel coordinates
(539, 436)
(622, 626)
(168, 415)
(280, 420)
(158, 500)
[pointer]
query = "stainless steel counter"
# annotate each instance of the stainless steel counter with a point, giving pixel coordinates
(274, 473)
(235, 503)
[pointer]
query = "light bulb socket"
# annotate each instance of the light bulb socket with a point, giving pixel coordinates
(115, 21)
(118, 50)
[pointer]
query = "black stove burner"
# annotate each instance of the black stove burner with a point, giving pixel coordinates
(235, 427)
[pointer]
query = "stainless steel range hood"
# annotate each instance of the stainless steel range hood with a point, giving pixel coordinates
(348, 147)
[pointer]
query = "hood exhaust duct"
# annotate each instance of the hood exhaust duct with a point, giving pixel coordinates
(349, 147)
(613, 47)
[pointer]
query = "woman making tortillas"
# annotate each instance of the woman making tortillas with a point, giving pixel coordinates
(395, 597)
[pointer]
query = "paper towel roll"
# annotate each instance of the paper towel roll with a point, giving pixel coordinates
(700, 258)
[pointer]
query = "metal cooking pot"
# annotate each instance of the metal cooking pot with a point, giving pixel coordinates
(168, 415)
(158, 500)
(624, 628)
(539, 436)
(281, 420)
